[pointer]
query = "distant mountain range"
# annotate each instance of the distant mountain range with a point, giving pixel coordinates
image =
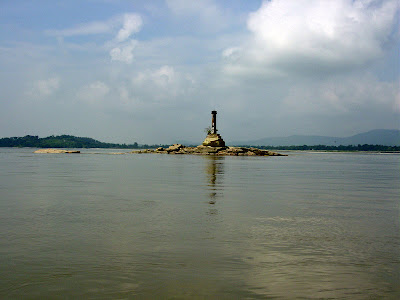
(384, 137)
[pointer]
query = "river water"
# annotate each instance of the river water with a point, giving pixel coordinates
(100, 226)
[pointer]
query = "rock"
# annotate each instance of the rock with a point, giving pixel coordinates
(56, 151)
(143, 151)
(175, 147)
(214, 140)
(236, 150)
(209, 150)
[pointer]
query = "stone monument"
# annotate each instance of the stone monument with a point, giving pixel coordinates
(213, 139)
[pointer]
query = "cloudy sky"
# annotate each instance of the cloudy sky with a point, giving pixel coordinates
(152, 71)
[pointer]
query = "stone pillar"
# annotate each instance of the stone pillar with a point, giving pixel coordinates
(214, 122)
(213, 139)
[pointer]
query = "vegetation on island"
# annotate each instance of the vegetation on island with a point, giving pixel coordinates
(67, 141)
(208, 130)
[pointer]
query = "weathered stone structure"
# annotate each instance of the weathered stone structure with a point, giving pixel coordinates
(214, 122)
(213, 139)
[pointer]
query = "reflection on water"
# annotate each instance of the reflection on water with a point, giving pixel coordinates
(215, 173)
(141, 226)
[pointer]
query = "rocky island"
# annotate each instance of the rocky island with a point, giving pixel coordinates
(209, 150)
(212, 145)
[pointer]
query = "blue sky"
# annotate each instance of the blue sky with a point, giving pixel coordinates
(151, 71)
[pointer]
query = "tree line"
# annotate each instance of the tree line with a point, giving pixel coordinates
(359, 147)
(67, 141)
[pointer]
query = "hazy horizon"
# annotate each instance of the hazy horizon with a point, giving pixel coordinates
(152, 71)
(373, 137)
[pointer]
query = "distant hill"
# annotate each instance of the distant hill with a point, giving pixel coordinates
(384, 137)
(65, 141)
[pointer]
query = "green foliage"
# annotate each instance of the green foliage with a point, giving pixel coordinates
(208, 130)
(66, 141)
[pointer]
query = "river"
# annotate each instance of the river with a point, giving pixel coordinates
(99, 226)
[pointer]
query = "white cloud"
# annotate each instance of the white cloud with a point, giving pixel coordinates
(161, 77)
(316, 35)
(164, 83)
(84, 29)
(342, 95)
(123, 52)
(45, 87)
(93, 93)
(164, 76)
(232, 54)
(132, 24)
(189, 8)
(204, 15)
(122, 49)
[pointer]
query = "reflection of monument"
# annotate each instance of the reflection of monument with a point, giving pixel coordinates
(215, 170)
(213, 139)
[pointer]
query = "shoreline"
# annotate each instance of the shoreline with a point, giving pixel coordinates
(153, 150)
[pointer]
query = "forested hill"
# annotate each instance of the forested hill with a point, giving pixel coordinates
(64, 141)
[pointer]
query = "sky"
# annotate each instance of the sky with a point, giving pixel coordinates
(152, 71)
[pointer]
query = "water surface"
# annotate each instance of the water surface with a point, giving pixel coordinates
(309, 225)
